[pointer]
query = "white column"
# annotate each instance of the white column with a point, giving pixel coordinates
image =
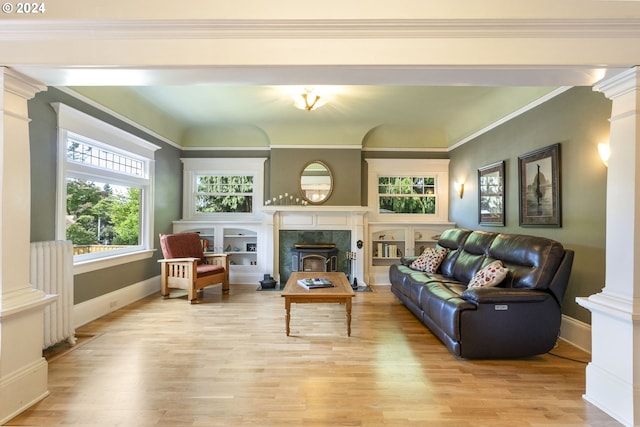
(23, 370)
(613, 376)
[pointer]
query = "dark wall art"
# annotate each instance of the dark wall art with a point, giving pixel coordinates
(539, 172)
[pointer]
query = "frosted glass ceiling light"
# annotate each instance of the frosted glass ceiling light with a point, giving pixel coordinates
(308, 100)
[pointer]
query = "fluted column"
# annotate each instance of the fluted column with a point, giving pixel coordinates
(23, 370)
(613, 376)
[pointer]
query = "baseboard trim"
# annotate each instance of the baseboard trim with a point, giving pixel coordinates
(23, 389)
(576, 333)
(95, 308)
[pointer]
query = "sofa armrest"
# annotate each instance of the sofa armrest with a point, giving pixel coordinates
(503, 295)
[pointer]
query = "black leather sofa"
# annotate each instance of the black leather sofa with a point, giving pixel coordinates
(519, 317)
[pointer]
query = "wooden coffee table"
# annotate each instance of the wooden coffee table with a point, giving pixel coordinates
(341, 292)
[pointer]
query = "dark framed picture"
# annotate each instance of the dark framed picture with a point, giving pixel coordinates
(491, 192)
(540, 202)
(251, 247)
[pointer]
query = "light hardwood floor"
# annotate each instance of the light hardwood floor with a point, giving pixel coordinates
(227, 362)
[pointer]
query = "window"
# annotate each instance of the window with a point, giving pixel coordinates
(85, 153)
(105, 178)
(222, 188)
(408, 190)
(224, 193)
(407, 194)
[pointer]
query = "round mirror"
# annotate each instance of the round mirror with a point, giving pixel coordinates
(316, 182)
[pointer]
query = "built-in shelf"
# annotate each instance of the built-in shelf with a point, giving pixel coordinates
(240, 241)
(241, 245)
(392, 241)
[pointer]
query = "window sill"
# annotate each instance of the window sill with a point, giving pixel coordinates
(113, 261)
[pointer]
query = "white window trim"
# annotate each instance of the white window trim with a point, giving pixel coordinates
(439, 168)
(76, 122)
(226, 166)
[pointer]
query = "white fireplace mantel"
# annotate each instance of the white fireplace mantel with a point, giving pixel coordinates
(311, 217)
(317, 217)
(314, 209)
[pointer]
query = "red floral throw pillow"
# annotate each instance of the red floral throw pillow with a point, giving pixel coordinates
(429, 260)
(491, 275)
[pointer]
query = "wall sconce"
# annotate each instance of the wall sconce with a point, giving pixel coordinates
(459, 186)
(605, 152)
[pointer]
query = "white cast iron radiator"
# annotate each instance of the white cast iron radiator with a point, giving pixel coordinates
(52, 272)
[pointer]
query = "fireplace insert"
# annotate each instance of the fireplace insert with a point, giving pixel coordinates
(314, 257)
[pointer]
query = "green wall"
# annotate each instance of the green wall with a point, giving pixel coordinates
(345, 164)
(578, 120)
(167, 197)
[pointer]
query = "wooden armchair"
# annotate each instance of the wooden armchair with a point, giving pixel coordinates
(186, 266)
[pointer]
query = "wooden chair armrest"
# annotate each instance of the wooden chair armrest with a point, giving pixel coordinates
(220, 259)
(212, 255)
(178, 260)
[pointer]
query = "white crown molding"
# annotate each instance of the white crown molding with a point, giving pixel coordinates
(319, 147)
(618, 85)
(249, 148)
(407, 149)
(118, 116)
(511, 116)
(84, 124)
(319, 28)
(19, 84)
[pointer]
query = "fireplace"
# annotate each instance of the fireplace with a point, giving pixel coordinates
(331, 245)
(314, 257)
(340, 225)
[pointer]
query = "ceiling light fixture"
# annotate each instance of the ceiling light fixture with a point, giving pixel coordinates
(308, 100)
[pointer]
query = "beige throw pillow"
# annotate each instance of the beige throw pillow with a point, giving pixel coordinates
(491, 275)
(429, 260)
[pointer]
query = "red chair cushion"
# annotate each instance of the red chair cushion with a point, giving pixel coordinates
(209, 269)
(182, 245)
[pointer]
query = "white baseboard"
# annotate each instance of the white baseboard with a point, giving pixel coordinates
(244, 278)
(95, 308)
(22, 389)
(576, 333)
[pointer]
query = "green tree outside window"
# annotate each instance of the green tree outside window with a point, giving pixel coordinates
(224, 194)
(407, 195)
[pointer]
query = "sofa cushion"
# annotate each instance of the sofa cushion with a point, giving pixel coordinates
(532, 261)
(472, 255)
(452, 239)
(491, 275)
(429, 260)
